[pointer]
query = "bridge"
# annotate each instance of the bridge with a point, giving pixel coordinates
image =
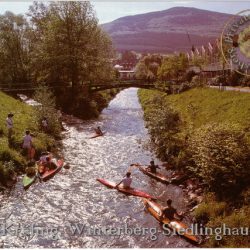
(87, 87)
(123, 84)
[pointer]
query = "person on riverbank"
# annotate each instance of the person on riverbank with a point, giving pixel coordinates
(126, 181)
(10, 124)
(98, 131)
(28, 146)
(45, 124)
(170, 212)
(152, 167)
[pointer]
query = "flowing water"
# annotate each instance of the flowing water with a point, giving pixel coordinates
(46, 213)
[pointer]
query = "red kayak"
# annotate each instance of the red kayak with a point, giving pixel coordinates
(130, 191)
(96, 135)
(176, 225)
(50, 173)
(156, 176)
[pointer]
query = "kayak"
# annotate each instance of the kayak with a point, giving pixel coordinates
(156, 176)
(130, 191)
(28, 180)
(96, 135)
(50, 173)
(176, 225)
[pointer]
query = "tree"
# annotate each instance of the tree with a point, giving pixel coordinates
(14, 53)
(172, 67)
(148, 66)
(69, 46)
(47, 108)
(128, 56)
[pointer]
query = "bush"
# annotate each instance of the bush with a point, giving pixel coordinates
(238, 219)
(188, 76)
(47, 109)
(6, 171)
(209, 209)
(163, 86)
(164, 123)
(234, 79)
(220, 156)
(197, 82)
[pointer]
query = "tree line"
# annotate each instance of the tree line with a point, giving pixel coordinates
(56, 43)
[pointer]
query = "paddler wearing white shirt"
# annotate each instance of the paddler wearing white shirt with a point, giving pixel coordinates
(126, 181)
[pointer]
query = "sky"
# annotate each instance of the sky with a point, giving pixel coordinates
(108, 11)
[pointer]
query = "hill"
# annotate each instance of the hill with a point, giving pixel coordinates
(166, 31)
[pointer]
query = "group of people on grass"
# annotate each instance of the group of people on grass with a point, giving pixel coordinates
(169, 211)
(27, 143)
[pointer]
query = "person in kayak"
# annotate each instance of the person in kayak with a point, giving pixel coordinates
(98, 131)
(43, 157)
(152, 167)
(126, 181)
(169, 212)
(50, 164)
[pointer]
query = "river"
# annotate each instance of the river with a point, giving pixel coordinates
(74, 197)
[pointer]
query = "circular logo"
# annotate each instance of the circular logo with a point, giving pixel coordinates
(235, 42)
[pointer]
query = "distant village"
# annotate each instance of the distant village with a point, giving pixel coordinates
(126, 61)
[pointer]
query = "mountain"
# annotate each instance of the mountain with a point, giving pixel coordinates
(166, 31)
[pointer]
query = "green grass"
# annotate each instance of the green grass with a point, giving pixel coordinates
(202, 106)
(24, 118)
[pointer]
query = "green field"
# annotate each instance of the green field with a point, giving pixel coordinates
(202, 106)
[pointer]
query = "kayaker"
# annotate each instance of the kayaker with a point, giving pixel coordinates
(169, 212)
(50, 163)
(152, 167)
(43, 157)
(126, 181)
(98, 131)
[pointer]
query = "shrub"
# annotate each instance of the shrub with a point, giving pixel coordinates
(238, 219)
(6, 171)
(209, 209)
(164, 124)
(197, 82)
(163, 86)
(220, 156)
(47, 109)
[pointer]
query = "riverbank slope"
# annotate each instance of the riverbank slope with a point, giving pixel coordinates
(12, 160)
(205, 133)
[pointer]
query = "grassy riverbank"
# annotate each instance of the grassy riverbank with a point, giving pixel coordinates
(206, 133)
(12, 160)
